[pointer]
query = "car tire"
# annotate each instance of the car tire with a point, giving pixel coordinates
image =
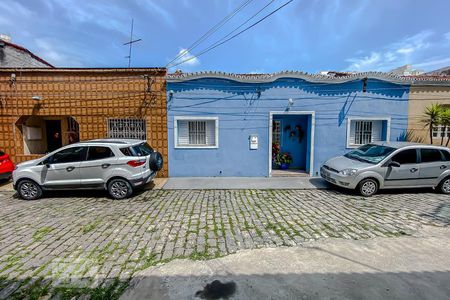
(29, 190)
(119, 189)
(444, 186)
(156, 161)
(368, 187)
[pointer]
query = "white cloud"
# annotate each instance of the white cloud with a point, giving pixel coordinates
(154, 8)
(54, 56)
(409, 50)
(185, 58)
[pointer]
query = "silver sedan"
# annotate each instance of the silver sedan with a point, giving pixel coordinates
(387, 165)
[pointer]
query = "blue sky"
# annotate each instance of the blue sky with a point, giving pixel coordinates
(307, 35)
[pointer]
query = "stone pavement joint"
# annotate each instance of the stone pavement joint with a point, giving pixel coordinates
(88, 245)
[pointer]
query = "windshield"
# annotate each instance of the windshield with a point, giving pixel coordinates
(369, 153)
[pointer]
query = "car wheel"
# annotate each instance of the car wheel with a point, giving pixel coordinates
(120, 189)
(368, 187)
(29, 190)
(444, 186)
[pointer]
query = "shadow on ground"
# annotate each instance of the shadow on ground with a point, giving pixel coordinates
(377, 285)
(90, 193)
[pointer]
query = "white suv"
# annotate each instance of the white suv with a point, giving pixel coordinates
(116, 165)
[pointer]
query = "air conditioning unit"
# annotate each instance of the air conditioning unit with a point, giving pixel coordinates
(32, 133)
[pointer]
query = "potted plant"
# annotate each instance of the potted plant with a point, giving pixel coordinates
(283, 160)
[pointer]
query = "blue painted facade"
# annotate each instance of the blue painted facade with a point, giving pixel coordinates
(245, 108)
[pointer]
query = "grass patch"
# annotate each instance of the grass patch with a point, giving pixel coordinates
(39, 234)
(112, 291)
(199, 256)
(90, 227)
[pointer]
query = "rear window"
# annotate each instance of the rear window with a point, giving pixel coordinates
(2, 153)
(143, 149)
(126, 151)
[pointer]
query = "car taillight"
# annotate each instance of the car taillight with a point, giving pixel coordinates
(135, 163)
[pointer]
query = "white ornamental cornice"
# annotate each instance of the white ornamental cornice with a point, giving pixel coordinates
(315, 78)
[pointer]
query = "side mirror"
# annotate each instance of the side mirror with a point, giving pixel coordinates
(394, 164)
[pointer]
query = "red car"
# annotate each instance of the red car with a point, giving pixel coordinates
(6, 166)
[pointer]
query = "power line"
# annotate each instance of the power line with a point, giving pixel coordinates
(232, 37)
(211, 31)
(240, 26)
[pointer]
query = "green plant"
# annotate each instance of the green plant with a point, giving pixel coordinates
(432, 117)
(445, 122)
(283, 158)
(410, 136)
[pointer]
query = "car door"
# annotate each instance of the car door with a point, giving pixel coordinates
(97, 167)
(432, 164)
(407, 173)
(62, 170)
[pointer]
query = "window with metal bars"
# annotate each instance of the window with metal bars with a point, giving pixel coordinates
(196, 132)
(363, 132)
(127, 129)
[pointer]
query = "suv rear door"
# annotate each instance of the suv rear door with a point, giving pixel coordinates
(408, 172)
(432, 164)
(63, 168)
(97, 167)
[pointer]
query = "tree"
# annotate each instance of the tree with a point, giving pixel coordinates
(445, 122)
(431, 119)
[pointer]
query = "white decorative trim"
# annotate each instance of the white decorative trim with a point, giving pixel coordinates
(383, 118)
(194, 118)
(313, 125)
(317, 78)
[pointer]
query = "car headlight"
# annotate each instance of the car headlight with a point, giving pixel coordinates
(348, 172)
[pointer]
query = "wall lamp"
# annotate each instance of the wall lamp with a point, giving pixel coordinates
(290, 102)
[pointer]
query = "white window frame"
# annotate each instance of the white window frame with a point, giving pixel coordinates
(438, 131)
(353, 119)
(195, 118)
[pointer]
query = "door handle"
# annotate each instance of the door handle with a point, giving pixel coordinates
(70, 169)
(443, 167)
(104, 166)
(412, 170)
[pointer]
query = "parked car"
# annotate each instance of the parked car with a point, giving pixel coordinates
(116, 165)
(390, 165)
(6, 166)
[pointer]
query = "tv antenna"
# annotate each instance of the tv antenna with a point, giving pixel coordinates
(130, 43)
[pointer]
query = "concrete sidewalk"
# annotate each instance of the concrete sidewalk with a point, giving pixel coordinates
(382, 268)
(219, 183)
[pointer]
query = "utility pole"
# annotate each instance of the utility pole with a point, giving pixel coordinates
(130, 43)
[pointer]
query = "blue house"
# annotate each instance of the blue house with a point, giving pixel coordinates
(228, 124)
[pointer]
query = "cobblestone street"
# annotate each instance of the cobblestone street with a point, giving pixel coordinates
(72, 246)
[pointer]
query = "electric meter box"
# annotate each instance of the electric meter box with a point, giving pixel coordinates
(253, 142)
